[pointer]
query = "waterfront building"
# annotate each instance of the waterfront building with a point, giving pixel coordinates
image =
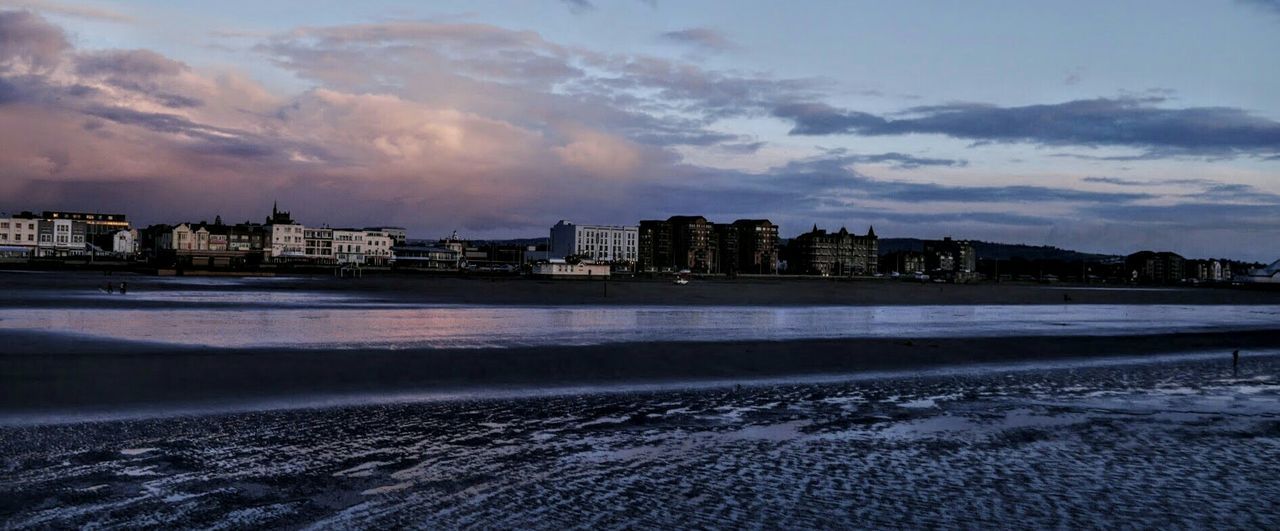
(679, 243)
(951, 259)
(695, 244)
(99, 228)
(399, 236)
(319, 245)
(654, 246)
(725, 246)
(427, 258)
(903, 262)
(504, 257)
(125, 242)
(51, 234)
(20, 230)
(288, 240)
(250, 238)
(60, 237)
(1155, 267)
(179, 238)
(757, 248)
(601, 243)
(1207, 271)
(349, 246)
(692, 244)
(842, 253)
(557, 268)
(378, 248)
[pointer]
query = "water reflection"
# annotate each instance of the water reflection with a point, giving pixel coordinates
(483, 326)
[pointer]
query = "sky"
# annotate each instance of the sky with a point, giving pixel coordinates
(1099, 126)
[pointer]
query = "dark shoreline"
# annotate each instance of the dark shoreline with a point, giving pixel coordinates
(48, 373)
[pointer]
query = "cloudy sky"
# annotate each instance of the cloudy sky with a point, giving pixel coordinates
(1103, 126)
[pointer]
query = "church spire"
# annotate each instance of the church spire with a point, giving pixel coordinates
(871, 231)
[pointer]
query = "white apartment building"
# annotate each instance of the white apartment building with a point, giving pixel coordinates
(19, 231)
(398, 234)
(378, 246)
(349, 246)
(60, 237)
(288, 240)
(319, 242)
(601, 243)
(363, 247)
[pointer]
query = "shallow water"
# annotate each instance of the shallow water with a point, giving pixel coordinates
(361, 323)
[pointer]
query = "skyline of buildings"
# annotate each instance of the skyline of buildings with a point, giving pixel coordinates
(678, 243)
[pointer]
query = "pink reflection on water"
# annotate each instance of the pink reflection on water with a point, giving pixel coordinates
(505, 326)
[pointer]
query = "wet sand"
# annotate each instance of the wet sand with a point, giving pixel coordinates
(51, 372)
(1173, 444)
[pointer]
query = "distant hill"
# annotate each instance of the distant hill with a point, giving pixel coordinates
(1001, 251)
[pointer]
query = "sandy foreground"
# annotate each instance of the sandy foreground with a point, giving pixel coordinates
(1148, 443)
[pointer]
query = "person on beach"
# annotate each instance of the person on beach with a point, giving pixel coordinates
(1235, 364)
(124, 288)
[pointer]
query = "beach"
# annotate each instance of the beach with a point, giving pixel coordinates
(1157, 442)
(462, 402)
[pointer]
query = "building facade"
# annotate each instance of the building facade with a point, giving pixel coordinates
(60, 237)
(842, 253)
(1155, 267)
(951, 259)
(348, 246)
(288, 237)
(22, 230)
(379, 247)
(99, 228)
(693, 243)
(125, 242)
(903, 262)
(601, 243)
(757, 249)
(427, 258)
(654, 246)
(319, 245)
(557, 268)
(399, 236)
(58, 234)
